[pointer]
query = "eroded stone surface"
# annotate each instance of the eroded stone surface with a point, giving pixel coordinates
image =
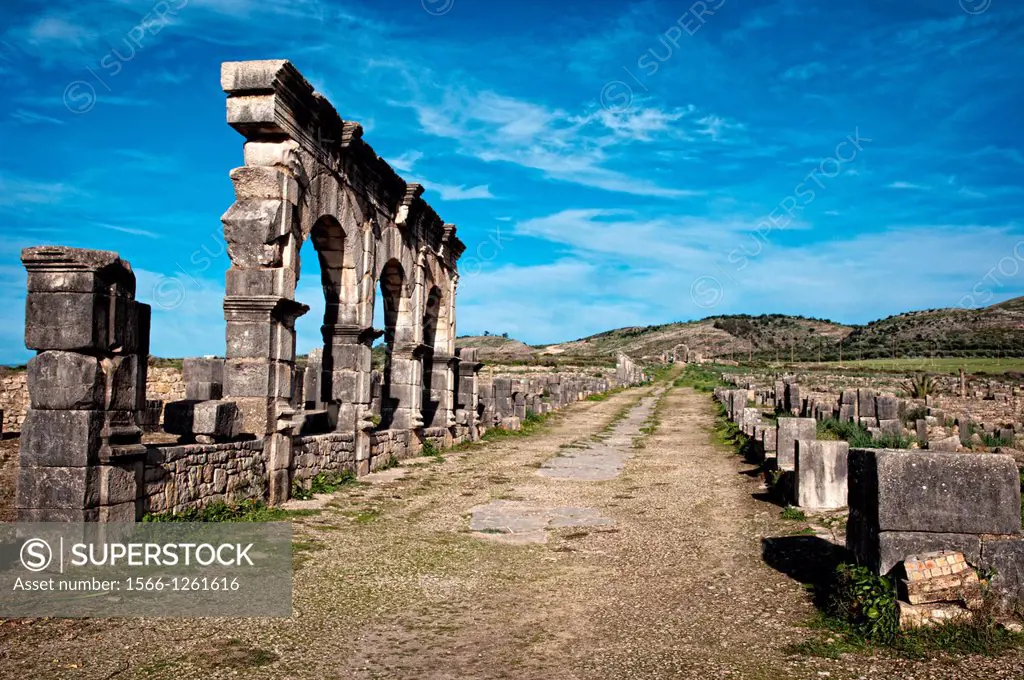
(522, 522)
(606, 459)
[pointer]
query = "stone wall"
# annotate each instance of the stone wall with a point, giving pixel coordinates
(165, 383)
(313, 454)
(13, 398)
(194, 475)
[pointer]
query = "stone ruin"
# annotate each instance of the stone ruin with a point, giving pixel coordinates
(255, 423)
(943, 503)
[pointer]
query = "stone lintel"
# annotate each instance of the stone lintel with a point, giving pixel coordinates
(262, 308)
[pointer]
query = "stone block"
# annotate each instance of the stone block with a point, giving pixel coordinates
(59, 380)
(123, 383)
(847, 412)
(122, 512)
(247, 378)
(278, 281)
(178, 417)
(866, 403)
(62, 439)
(1006, 559)
(66, 321)
(868, 422)
(789, 431)
(946, 444)
(218, 419)
(894, 427)
(884, 551)
(794, 398)
(119, 483)
(203, 391)
(769, 441)
(249, 340)
(821, 474)
(69, 488)
(256, 221)
(887, 407)
(202, 370)
(254, 182)
(893, 490)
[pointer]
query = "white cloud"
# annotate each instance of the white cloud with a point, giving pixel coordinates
(32, 118)
(460, 193)
(906, 185)
(563, 146)
(406, 161)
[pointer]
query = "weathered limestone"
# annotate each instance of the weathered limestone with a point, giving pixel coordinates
(627, 371)
(206, 421)
(789, 431)
(80, 454)
(204, 378)
(821, 474)
(309, 175)
(904, 502)
(251, 424)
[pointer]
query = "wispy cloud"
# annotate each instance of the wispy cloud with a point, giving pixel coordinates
(127, 230)
(906, 185)
(31, 118)
(450, 192)
(406, 161)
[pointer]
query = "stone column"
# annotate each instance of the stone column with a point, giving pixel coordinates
(440, 395)
(468, 392)
(346, 369)
(405, 389)
(81, 457)
(258, 371)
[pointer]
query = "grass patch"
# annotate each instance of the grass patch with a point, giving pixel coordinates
(605, 396)
(531, 424)
(246, 511)
(860, 613)
(430, 449)
(791, 513)
(858, 435)
(323, 482)
(699, 378)
(390, 463)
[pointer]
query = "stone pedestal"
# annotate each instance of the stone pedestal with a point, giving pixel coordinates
(81, 453)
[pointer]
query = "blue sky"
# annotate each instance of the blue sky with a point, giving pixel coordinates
(607, 163)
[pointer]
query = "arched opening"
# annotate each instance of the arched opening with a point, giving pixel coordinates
(319, 284)
(392, 280)
(431, 400)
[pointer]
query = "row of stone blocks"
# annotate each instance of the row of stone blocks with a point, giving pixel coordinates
(902, 502)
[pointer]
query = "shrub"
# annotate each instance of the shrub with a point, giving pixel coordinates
(867, 602)
(921, 386)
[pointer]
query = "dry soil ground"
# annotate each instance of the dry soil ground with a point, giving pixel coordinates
(687, 575)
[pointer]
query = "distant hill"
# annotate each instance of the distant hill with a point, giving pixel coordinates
(497, 349)
(987, 332)
(714, 336)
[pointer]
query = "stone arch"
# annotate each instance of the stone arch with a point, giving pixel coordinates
(401, 368)
(308, 174)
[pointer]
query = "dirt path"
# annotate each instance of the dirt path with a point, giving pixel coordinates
(651, 567)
